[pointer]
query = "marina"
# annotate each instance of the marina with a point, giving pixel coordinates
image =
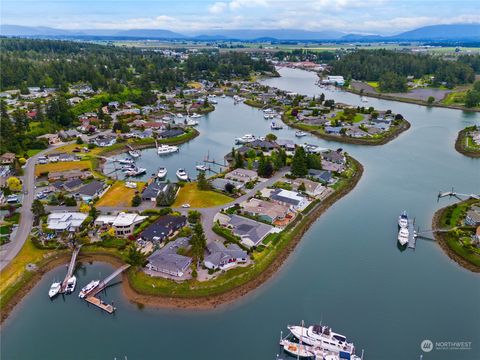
(364, 247)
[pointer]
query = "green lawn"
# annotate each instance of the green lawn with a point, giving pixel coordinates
(33, 152)
(189, 194)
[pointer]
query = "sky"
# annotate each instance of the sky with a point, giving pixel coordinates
(360, 16)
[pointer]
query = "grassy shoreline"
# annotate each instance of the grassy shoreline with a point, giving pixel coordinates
(219, 291)
(460, 145)
(449, 243)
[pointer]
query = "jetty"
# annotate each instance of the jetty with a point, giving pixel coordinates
(91, 298)
(412, 234)
(71, 268)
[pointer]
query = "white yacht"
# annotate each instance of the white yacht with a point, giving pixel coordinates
(300, 133)
(364, 99)
(71, 283)
(224, 96)
(127, 161)
(182, 175)
(275, 126)
(322, 336)
(403, 220)
(201, 167)
(136, 172)
(179, 115)
(403, 236)
(195, 116)
(54, 289)
(87, 288)
(213, 101)
(134, 153)
(166, 149)
(190, 122)
(162, 172)
(245, 139)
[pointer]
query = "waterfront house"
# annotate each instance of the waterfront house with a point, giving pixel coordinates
(312, 188)
(473, 217)
(167, 134)
(266, 210)
(65, 221)
(323, 176)
(250, 232)
(334, 157)
(123, 223)
(242, 175)
(168, 261)
(289, 198)
(334, 130)
(163, 228)
(221, 257)
(151, 192)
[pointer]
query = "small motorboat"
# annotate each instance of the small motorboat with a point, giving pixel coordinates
(275, 126)
(182, 175)
(54, 289)
(126, 161)
(136, 172)
(134, 153)
(300, 133)
(195, 116)
(162, 172)
(87, 288)
(201, 168)
(71, 283)
(297, 350)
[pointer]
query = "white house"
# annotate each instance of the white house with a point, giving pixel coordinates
(65, 221)
(124, 223)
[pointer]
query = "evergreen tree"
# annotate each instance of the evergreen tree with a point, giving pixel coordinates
(202, 183)
(299, 162)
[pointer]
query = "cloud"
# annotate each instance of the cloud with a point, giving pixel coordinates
(217, 8)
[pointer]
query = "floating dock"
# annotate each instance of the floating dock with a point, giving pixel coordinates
(412, 235)
(100, 304)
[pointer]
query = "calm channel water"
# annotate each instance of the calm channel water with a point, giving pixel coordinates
(346, 272)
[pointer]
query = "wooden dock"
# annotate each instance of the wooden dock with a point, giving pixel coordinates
(412, 239)
(100, 304)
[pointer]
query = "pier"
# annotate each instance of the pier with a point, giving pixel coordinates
(91, 298)
(70, 269)
(412, 235)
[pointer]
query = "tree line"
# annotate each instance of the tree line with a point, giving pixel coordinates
(391, 68)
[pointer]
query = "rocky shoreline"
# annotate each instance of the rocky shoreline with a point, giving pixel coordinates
(459, 145)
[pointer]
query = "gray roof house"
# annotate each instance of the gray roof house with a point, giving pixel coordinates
(164, 227)
(220, 184)
(221, 257)
(251, 232)
(88, 191)
(167, 261)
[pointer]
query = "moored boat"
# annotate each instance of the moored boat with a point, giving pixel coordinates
(182, 175)
(322, 336)
(126, 161)
(162, 172)
(275, 126)
(54, 289)
(195, 116)
(403, 220)
(166, 149)
(403, 234)
(201, 168)
(87, 288)
(134, 153)
(300, 133)
(136, 172)
(245, 139)
(71, 283)
(298, 350)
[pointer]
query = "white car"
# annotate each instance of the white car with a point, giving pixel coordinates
(185, 205)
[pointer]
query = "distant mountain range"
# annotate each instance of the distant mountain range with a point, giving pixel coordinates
(464, 32)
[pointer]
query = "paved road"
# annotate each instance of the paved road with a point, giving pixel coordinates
(10, 250)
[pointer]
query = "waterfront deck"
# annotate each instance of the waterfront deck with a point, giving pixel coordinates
(100, 304)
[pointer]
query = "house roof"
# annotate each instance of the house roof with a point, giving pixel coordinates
(254, 230)
(163, 226)
(91, 188)
(168, 259)
(65, 220)
(287, 196)
(218, 253)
